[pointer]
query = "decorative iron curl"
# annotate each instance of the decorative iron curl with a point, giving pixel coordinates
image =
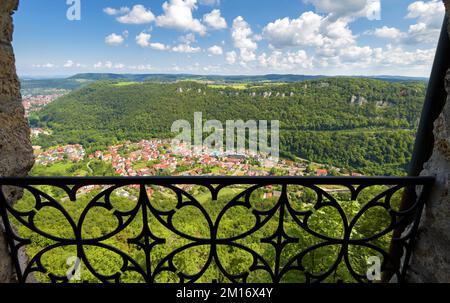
(277, 266)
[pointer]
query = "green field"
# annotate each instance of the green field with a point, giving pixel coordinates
(232, 86)
(125, 83)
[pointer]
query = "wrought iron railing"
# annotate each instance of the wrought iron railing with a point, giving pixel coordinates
(207, 229)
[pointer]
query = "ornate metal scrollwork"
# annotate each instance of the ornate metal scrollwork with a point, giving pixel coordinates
(210, 229)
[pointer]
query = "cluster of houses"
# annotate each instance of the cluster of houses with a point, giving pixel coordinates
(73, 153)
(156, 157)
(122, 158)
(36, 103)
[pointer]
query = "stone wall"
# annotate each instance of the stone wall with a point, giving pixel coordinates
(431, 260)
(16, 154)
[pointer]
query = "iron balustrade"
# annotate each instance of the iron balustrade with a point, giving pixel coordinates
(292, 248)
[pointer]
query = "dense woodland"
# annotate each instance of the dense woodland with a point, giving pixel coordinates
(355, 123)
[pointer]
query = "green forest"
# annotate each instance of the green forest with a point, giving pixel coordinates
(354, 123)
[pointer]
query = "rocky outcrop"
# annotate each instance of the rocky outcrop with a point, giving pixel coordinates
(16, 154)
(358, 100)
(431, 259)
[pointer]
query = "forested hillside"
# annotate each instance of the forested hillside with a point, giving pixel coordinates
(362, 124)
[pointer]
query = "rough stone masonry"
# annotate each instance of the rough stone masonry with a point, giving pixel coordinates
(16, 153)
(431, 259)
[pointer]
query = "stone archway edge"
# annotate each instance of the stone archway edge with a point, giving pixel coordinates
(431, 259)
(16, 153)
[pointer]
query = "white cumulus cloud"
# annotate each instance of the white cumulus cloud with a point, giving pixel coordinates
(400, 58)
(158, 46)
(143, 39)
(110, 65)
(326, 34)
(215, 50)
(302, 31)
(185, 48)
(114, 39)
(215, 20)
(429, 17)
(141, 67)
(69, 63)
(113, 11)
(187, 39)
(242, 36)
(347, 8)
(231, 57)
(138, 15)
(45, 65)
(355, 54)
(178, 15)
(210, 2)
(429, 12)
(388, 32)
(285, 61)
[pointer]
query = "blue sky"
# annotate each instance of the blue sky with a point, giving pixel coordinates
(346, 37)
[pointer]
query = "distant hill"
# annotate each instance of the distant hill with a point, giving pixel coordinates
(229, 79)
(357, 123)
(180, 77)
(79, 80)
(397, 78)
(65, 83)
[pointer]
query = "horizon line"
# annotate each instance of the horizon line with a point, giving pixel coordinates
(62, 76)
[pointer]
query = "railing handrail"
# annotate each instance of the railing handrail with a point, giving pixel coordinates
(321, 180)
